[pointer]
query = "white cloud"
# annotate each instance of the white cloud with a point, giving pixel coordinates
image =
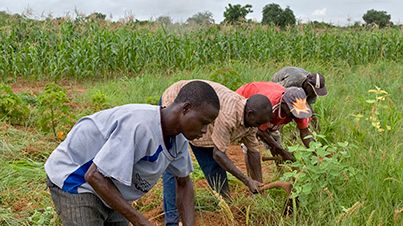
(319, 12)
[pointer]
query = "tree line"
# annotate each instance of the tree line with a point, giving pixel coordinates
(272, 14)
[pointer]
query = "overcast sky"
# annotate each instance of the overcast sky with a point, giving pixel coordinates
(334, 11)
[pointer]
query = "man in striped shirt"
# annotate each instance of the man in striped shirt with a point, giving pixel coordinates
(237, 121)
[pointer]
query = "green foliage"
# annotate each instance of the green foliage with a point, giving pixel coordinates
(227, 77)
(12, 108)
(96, 16)
(320, 170)
(274, 14)
(99, 101)
(49, 50)
(236, 13)
(201, 18)
(165, 20)
(317, 24)
(380, 18)
(53, 111)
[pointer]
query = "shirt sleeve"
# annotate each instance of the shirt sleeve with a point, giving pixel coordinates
(302, 123)
(221, 135)
(182, 165)
(116, 157)
(251, 141)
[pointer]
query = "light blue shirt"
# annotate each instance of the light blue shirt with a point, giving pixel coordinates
(126, 144)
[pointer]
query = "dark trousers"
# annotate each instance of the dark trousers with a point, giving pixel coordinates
(83, 209)
(215, 175)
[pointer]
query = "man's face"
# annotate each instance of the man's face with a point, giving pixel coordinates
(285, 110)
(255, 119)
(194, 122)
(308, 89)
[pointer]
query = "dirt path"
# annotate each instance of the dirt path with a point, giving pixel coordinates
(207, 218)
(36, 87)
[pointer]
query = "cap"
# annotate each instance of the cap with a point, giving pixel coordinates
(317, 82)
(295, 98)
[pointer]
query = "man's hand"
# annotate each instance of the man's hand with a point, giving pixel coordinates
(254, 185)
(275, 148)
(222, 159)
(304, 133)
(285, 155)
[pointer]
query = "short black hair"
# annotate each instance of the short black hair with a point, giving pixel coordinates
(198, 93)
(259, 103)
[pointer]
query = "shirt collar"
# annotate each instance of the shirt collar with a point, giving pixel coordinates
(241, 116)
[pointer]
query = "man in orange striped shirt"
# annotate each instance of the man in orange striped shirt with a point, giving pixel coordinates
(237, 121)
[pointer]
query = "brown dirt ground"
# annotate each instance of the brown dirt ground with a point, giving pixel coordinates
(207, 218)
(36, 87)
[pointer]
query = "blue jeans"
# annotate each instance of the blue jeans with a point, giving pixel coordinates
(215, 175)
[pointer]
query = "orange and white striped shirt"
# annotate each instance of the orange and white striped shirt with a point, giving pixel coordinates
(229, 126)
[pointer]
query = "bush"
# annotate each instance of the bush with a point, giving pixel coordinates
(53, 111)
(99, 101)
(319, 171)
(12, 107)
(227, 77)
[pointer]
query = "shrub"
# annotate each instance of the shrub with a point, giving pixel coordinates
(99, 101)
(228, 77)
(53, 111)
(12, 108)
(319, 171)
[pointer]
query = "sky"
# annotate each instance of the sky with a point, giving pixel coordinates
(339, 12)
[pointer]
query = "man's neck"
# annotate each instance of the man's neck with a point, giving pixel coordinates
(168, 123)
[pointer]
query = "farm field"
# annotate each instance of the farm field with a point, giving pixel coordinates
(96, 65)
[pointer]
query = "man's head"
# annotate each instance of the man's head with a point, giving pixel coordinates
(258, 110)
(199, 107)
(294, 103)
(314, 85)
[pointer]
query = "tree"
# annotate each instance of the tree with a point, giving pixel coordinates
(381, 18)
(201, 18)
(166, 20)
(96, 16)
(236, 13)
(274, 14)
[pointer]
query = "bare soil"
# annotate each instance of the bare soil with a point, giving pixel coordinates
(206, 218)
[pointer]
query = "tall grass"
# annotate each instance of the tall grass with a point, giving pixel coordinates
(61, 48)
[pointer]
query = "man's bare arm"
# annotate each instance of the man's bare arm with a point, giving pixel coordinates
(277, 149)
(185, 200)
(222, 159)
(105, 188)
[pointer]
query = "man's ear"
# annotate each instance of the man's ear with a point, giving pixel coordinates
(186, 107)
(250, 114)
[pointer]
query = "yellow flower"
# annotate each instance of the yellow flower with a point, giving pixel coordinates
(60, 135)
